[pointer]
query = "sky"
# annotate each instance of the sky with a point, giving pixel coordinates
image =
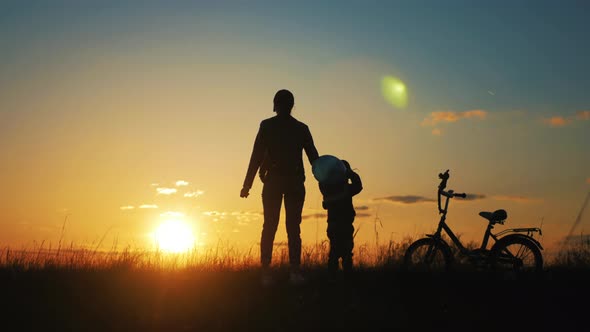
(116, 117)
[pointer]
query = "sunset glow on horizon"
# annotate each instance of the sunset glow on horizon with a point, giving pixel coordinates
(116, 115)
(174, 236)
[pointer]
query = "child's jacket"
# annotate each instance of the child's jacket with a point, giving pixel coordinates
(338, 196)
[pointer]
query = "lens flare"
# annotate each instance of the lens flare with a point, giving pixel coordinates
(394, 91)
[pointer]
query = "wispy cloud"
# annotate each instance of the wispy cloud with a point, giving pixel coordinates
(407, 199)
(127, 207)
(246, 213)
(361, 208)
(451, 116)
(166, 191)
(148, 206)
(562, 121)
(194, 193)
(557, 121)
(415, 199)
(436, 132)
(212, 213)
(516, 198)
(242, 217)
(245, 217)
(588, 180)
(473, 197)
(363, 215)
(181, 183)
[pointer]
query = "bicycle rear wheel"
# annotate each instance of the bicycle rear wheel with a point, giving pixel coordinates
(427, 254)
(517, 254)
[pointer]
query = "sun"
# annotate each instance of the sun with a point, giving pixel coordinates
(174, 236)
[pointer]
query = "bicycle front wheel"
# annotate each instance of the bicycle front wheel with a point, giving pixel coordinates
(427, 254)
(517, 254)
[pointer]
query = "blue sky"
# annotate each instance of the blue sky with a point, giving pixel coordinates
(531, 53)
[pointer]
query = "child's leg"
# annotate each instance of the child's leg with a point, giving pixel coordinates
(347, 234)
(332, 236)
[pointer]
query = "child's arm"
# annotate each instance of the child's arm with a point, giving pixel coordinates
(355, 186)
(333, 193)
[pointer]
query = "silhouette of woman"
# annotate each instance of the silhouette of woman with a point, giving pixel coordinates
(277, 152)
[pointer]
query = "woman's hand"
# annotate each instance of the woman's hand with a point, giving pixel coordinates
(244, 192)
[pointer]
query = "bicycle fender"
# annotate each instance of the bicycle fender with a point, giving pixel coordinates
(530, 238)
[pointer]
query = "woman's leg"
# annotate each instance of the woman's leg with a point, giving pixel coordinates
(271, 202)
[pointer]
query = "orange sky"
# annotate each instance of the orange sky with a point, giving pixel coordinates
(94, 121)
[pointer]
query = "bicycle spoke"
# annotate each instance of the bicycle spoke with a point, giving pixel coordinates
(509, 253)
(528, 253)
(427, 256)
(430, 253)
(520, 250)
(517, 256)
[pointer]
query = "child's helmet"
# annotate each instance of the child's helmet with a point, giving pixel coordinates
(328, 169)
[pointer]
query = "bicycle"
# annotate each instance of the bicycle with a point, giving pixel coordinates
(514, 249)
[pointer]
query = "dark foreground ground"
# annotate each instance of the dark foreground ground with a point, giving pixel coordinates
(235, 301)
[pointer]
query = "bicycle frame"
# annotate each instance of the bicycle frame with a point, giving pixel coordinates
(442, 225)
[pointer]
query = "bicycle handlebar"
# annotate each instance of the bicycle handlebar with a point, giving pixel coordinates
(444, 178)
(451, 194)
(448, 194)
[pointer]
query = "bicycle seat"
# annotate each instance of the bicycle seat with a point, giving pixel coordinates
(494, 217)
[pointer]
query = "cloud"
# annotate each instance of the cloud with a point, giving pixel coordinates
(436, 132)
(148, 206)
(166, 191)
(247, 213)
(361, 208)
(241, 218)
(127, 207)
(181, 183)
(363, 215)
(245, 217)
(516, 198)
(473, 197)
(415, 199)
(557, 121)
(562, 121)
(588, 180)
(452, 116)
(194, 193)
(154, 184)
(212, 213)
(407, 199)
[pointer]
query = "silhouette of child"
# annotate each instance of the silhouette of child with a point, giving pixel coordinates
(337, 200)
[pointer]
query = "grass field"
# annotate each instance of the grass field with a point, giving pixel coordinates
(218, 289)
